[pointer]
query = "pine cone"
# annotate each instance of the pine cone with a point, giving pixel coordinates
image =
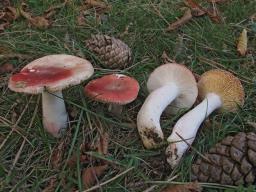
(231, 162)
(113, 52)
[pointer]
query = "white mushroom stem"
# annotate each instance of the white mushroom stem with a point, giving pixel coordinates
(187, 126)
(54, 113)
(148, 119)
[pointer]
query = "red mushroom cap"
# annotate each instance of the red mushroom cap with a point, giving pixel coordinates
(52, 72)
(115, 88)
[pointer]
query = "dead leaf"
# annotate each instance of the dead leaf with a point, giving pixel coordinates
(100, 5)
(189, 187)
(4, 3)
(80, 19)
(51, 185)
(184, 19)
(213, 14)
(6, 68)
(38, 21)
(166, 58)
(73, 160)
(242, 43)
(102, 146)
(3, 26)
(216, 1)
(11, 13)
(90, 175)
(252, 124)
(57, 154)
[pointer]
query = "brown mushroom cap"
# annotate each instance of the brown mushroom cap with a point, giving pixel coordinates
(52, 72)
(224, 84)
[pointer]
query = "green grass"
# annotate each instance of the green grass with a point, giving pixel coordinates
(198, 44)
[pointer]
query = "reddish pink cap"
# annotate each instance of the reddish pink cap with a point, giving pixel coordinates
(52, 72)
(115, 88)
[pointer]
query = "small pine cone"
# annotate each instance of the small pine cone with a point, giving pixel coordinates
(231, 162)
(113, 52)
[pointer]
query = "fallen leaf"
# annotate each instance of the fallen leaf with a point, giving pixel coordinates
(90, 175)
(57, 154)
(38, 21)
(102, 146)
(198, 9)
(252, 124)
(213, 13)
(189, 187)
(181, 21)
(100, 5)
(6, 68)
(80, 19)
(11, 13)
(3, 26)
(216, 1)
(242, 43)
(5, 3)
(166, 58)
(52, 184)
(73, 160)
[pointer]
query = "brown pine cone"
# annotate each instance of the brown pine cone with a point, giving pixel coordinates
(113, 52)
(231, 162)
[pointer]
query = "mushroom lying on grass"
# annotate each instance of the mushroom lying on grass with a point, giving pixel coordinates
(49, 75)
(169, 83)
(115, 89)
(217, 89)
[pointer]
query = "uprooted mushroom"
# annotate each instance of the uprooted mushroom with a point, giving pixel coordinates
(170, 83)
(49, 75)
(218, 89)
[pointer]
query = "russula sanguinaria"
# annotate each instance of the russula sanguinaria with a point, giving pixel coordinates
(218, 89)
(169, 83)
(49, 75)
(115, 89)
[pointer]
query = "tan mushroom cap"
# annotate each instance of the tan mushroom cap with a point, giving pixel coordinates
(224, 84)
(182, 77)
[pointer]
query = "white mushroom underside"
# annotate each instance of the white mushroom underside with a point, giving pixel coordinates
(148, 119)
(187, 126)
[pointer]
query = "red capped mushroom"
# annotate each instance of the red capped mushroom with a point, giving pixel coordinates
(115, 89)
(49, 75)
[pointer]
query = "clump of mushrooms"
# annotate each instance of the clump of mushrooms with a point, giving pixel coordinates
(115, 89)
(170, 83)
(218, 89)
(49, 75)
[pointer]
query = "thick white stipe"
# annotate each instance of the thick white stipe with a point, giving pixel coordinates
(54, 113)
(187, 127)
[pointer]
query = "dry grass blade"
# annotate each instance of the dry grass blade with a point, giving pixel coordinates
(184, 19)
(242, 43)
(189, 187)
(91, 174)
